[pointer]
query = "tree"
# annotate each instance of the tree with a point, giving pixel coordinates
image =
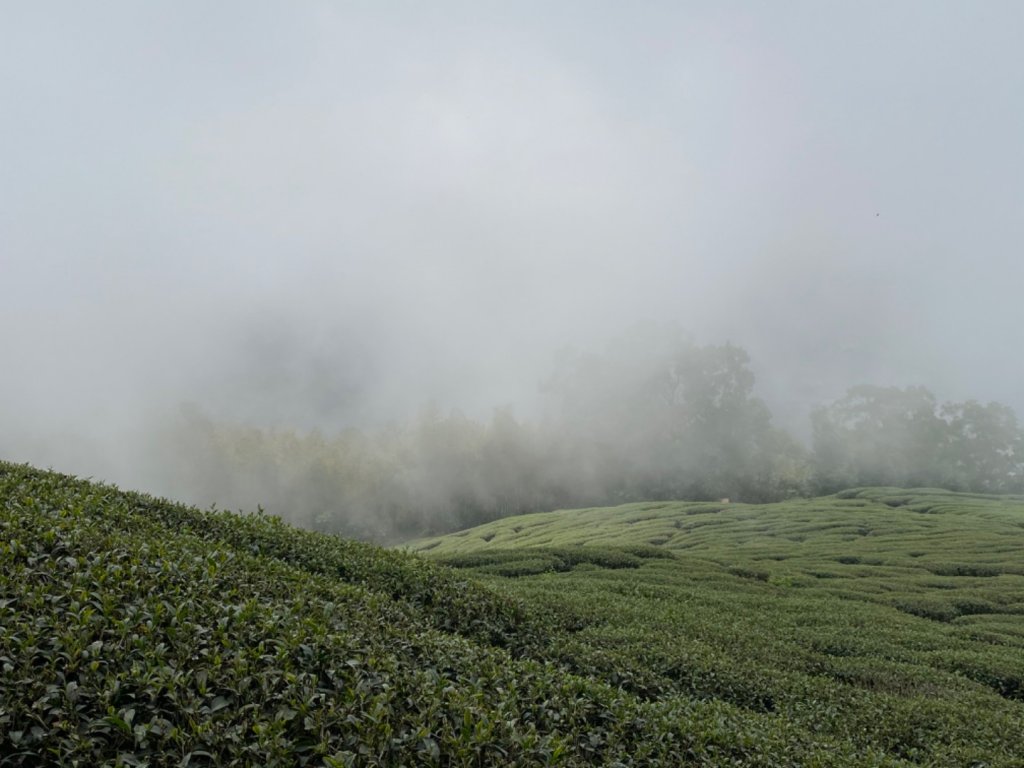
(984, 448)
(903, 437)
(877, 436)
(659, 416)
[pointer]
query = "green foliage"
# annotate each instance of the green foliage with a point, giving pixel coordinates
(823, 632)
(660, 417)
(528, 561)
(886, 621)
(903, 437)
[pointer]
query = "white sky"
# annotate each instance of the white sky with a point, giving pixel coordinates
(328, 213)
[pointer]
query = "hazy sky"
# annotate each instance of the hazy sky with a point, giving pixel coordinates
(303, 213)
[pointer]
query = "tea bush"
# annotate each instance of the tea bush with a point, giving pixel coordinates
(134, 631)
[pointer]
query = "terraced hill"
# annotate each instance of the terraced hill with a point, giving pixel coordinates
(134, 631)
(880, 617)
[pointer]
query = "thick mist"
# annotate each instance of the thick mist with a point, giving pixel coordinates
(331, 216)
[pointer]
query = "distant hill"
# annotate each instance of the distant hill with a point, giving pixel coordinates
(926, 531)
(135, 631)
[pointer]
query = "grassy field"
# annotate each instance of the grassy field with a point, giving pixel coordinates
(885, 628)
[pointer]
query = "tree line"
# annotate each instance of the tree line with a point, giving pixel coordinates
(653, 417)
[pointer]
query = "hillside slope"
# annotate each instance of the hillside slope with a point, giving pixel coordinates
(933, 553)
(882, 521)
(887, 618)
(134, 631)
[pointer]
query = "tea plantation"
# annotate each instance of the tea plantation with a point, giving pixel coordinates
(889, 622)
(885, 628)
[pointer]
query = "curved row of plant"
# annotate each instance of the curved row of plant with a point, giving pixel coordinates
(890, 618)
(137, 632)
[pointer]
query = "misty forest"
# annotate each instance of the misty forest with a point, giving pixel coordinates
(461, 384)
(655, 417)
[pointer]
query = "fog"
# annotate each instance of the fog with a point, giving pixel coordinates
(326, 215)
